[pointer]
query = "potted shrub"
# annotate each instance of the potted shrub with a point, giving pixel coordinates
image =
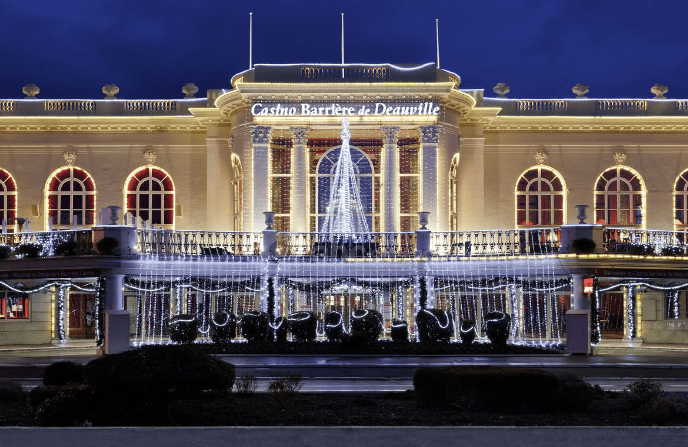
(303, 325)
(467, 331)
(366, 323)
(281, 329)
(496, 325)
(222, 327)
(434, 325)
(583, 246)
(183, 328)
(254, 326)
(399, 330)
(334, 326)
(107, 245)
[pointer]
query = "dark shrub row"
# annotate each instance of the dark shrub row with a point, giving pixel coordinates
(118, 388)
(489, 388)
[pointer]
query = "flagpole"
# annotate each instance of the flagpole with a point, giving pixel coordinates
(250, 40)
(342, 45)
(437, 38)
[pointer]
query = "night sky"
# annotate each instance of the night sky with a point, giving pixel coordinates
(150, 49)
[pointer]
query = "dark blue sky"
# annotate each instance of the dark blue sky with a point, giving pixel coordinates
(150, 49)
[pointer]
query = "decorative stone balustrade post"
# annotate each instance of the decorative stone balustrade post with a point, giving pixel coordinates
(390, 179)
(581, 230)
(298, 218)
(423, 236)
(116, 318)
(268, 248)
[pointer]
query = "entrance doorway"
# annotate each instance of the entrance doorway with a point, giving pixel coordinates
(612, 315)
(82, 315)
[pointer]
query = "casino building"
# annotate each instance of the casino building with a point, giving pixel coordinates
(497, 179)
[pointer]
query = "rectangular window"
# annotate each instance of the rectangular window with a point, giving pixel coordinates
(14, 306)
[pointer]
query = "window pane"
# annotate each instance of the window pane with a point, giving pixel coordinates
(156, 186)
(559, 202)
(76, 186)
(157, 201)
(78, 202)
(145, 186)
(143, 201)
(157, 217)
(546, 218)
(65, 186)
(64, 202)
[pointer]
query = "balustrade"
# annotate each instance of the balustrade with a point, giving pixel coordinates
(644, 242)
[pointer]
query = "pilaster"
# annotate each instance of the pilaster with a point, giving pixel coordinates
(298, 219)
(429, 139)
(390, 179)
(260, 138)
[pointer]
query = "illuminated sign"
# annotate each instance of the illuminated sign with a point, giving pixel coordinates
(588, 284)
(427, 108)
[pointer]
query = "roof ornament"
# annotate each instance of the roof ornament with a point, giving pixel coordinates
(659, 90)
(580, 90)
(189, 90)
(501, 89)
(31, 90)
(541, 157)
(110, 90)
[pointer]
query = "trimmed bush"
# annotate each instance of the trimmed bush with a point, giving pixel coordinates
(467, 331)
(183, 328)
(487, 388)
(334, 326)
(62, 373)
(672, 251)
(156, 371)
(254, 326)
(29, 250)
(400, 330)
(366, 322)
(641, 249)
(281, 329)
(10, 391)
(303, 326)
(496, 325)
(72, 405)
(5, 252)
(223, 327)
(107, 245)
(583, 246)
(434, 325)
(40, 394)
(575, 394)
(67, 248)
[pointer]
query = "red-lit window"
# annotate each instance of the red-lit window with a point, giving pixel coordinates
(150, 196)
(681, 202)
(8, 197)
(540, 198)
(619, 197)
(71, 198)
(14, 306)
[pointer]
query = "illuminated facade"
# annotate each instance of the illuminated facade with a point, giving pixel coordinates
(418, 143)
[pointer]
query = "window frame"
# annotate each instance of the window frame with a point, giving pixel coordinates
(53, 188)
(606, 193)
(8, 188)
(524, 189)
(132, 187)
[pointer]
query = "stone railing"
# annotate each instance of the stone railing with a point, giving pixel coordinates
(355, 245)
(645, 242)
(203, 243)
(49, 240)
(8, 106)
(70, 106)
(542, 105)
(496, 242)
(155, 105)
(621, 104)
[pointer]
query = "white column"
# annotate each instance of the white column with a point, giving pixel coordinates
(390, 180)
(298, 217)
(114, 296)
(429, 137)
(580, 302)
(260, 136)
(471, 184)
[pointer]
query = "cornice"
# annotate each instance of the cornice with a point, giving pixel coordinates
(588, 124)
(110, 124)
(480, 116)
(442, 92)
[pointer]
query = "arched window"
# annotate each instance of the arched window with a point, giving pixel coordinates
(325, 174)
(70, 196)
(681, 202)
(620, 197)
(454, 193)
(149, 193)
(540, 198)
(8, 197)
(237, 188)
